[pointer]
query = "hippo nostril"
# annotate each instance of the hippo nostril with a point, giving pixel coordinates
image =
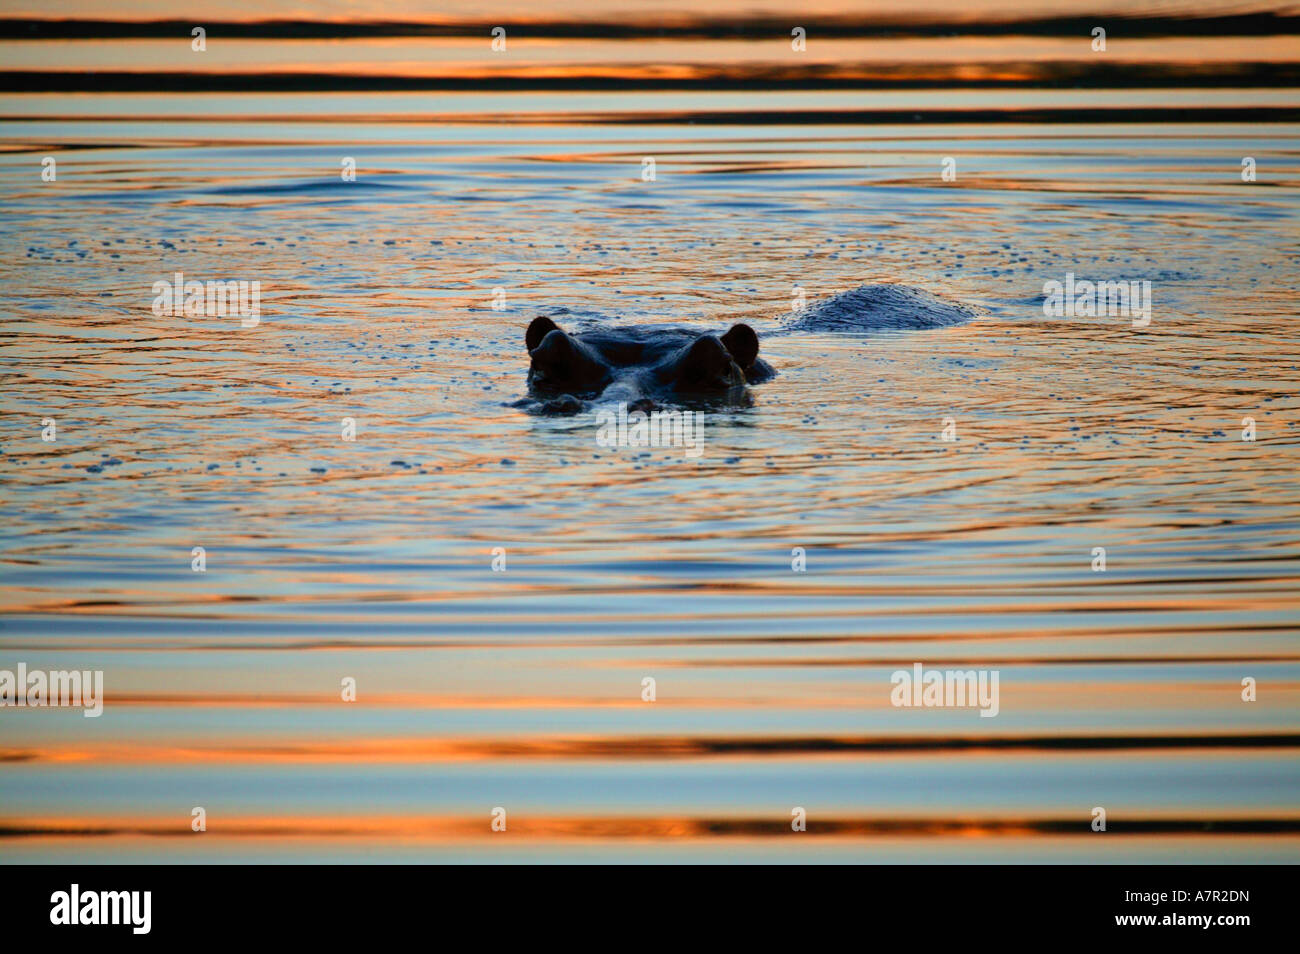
(708, 352)
(554, 348)
(707, 360)
(537, 330)
(560, 361)
(708, 345)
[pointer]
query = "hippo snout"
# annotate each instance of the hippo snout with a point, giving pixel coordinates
(640, 366)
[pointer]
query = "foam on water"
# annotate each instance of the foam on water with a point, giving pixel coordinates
(880, 308)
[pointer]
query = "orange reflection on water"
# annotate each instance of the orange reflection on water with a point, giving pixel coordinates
(435, 828)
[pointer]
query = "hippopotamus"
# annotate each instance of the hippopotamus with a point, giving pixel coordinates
(644, 366)
(641, 366)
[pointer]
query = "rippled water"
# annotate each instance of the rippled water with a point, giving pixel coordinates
(522, 689)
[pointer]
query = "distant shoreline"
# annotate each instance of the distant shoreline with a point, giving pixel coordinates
(701, 27)
(787, 117)
(756, 78)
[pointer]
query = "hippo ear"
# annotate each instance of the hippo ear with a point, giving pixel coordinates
(539, 329)
(742, 343)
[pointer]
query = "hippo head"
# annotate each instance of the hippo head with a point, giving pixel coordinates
(641, 366)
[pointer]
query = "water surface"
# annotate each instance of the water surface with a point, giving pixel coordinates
(372, 559)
